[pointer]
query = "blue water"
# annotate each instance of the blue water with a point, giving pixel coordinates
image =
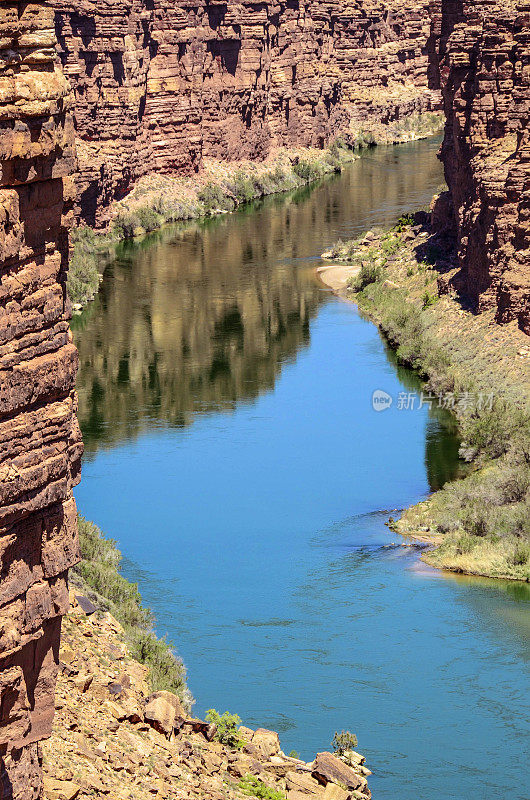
(233, 452)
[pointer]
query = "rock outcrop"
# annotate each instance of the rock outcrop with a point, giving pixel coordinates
(161, 84)
(481, 51)
(39, 437)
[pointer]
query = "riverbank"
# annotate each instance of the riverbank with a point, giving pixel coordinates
(220, 188)
(480, 371)
(117, 733)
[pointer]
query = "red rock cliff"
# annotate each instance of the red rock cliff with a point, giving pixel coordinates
(39, 440)
(161, 83)
(483, 56)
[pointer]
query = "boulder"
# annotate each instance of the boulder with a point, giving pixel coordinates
(352, 758)
(60, 790)
(267, 743)
(303, 783)
(208, 729)
(334, 792)
(330, 769)
(161, 710)
(86, 605)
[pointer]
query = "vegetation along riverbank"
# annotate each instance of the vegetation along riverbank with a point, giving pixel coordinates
(220, 187)
(404, 279)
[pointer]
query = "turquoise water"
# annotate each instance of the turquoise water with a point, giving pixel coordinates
(233, 452)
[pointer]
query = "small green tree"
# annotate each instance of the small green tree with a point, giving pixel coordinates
(227, 725)
(343, 741)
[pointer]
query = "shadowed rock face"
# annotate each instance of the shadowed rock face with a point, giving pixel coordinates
(39, 437)
(159, 84)
(483, 56)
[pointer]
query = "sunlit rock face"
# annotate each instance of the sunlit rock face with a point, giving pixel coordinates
(39, 437)
(161, 84)
(481, 50)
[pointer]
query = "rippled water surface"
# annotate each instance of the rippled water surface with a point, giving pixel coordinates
(232, 450)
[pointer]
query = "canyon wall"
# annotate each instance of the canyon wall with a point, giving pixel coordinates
(481, 51)
(161, 84)
(39, 439)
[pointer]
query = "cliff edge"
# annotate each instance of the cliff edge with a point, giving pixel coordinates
(482, 54)
(39, 435)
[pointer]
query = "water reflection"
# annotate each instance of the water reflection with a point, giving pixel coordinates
(199, 317)
(189, 322)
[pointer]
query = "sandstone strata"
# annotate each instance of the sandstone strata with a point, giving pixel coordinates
(112, 739)
(160, 85)
(39, 440)
(481, 51)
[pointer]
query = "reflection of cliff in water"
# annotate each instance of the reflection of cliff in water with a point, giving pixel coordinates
(195, 318)
(189, 321)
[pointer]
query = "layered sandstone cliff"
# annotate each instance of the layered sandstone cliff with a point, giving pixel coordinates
(482, 52)
(159, 85)
(39, 440)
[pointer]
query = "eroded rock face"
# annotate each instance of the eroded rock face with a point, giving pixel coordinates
(482, 51)
(159, 85)
(39, 436)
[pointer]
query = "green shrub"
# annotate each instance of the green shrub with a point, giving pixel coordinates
(126, 224)
(344, 741)
(390, 244)
(404, 222)
(294, 754)
(99, 573)
(227, 728)
(363, 139)
(83, 275)
(243, 188)
(370, 272)
(213, 198)
(253, 787)
(465, 544)
(308, 171)
(149, 219)
(429, 299)
(488, 432)
(521, 555)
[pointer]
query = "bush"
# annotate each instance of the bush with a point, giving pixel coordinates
(126, 224)
(149, 219)
(83, 275)
(344, 741)
(243, 188)
(213, 198)
(428, 300)
(253, 787)
(227, 725)
(370, 272)
(363, 139)
(99, 572)
(521, 554)
(465, 544)
(404, 222)
(308, 171)
(488, 432)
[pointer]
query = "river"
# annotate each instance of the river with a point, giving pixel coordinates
(233, 452)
